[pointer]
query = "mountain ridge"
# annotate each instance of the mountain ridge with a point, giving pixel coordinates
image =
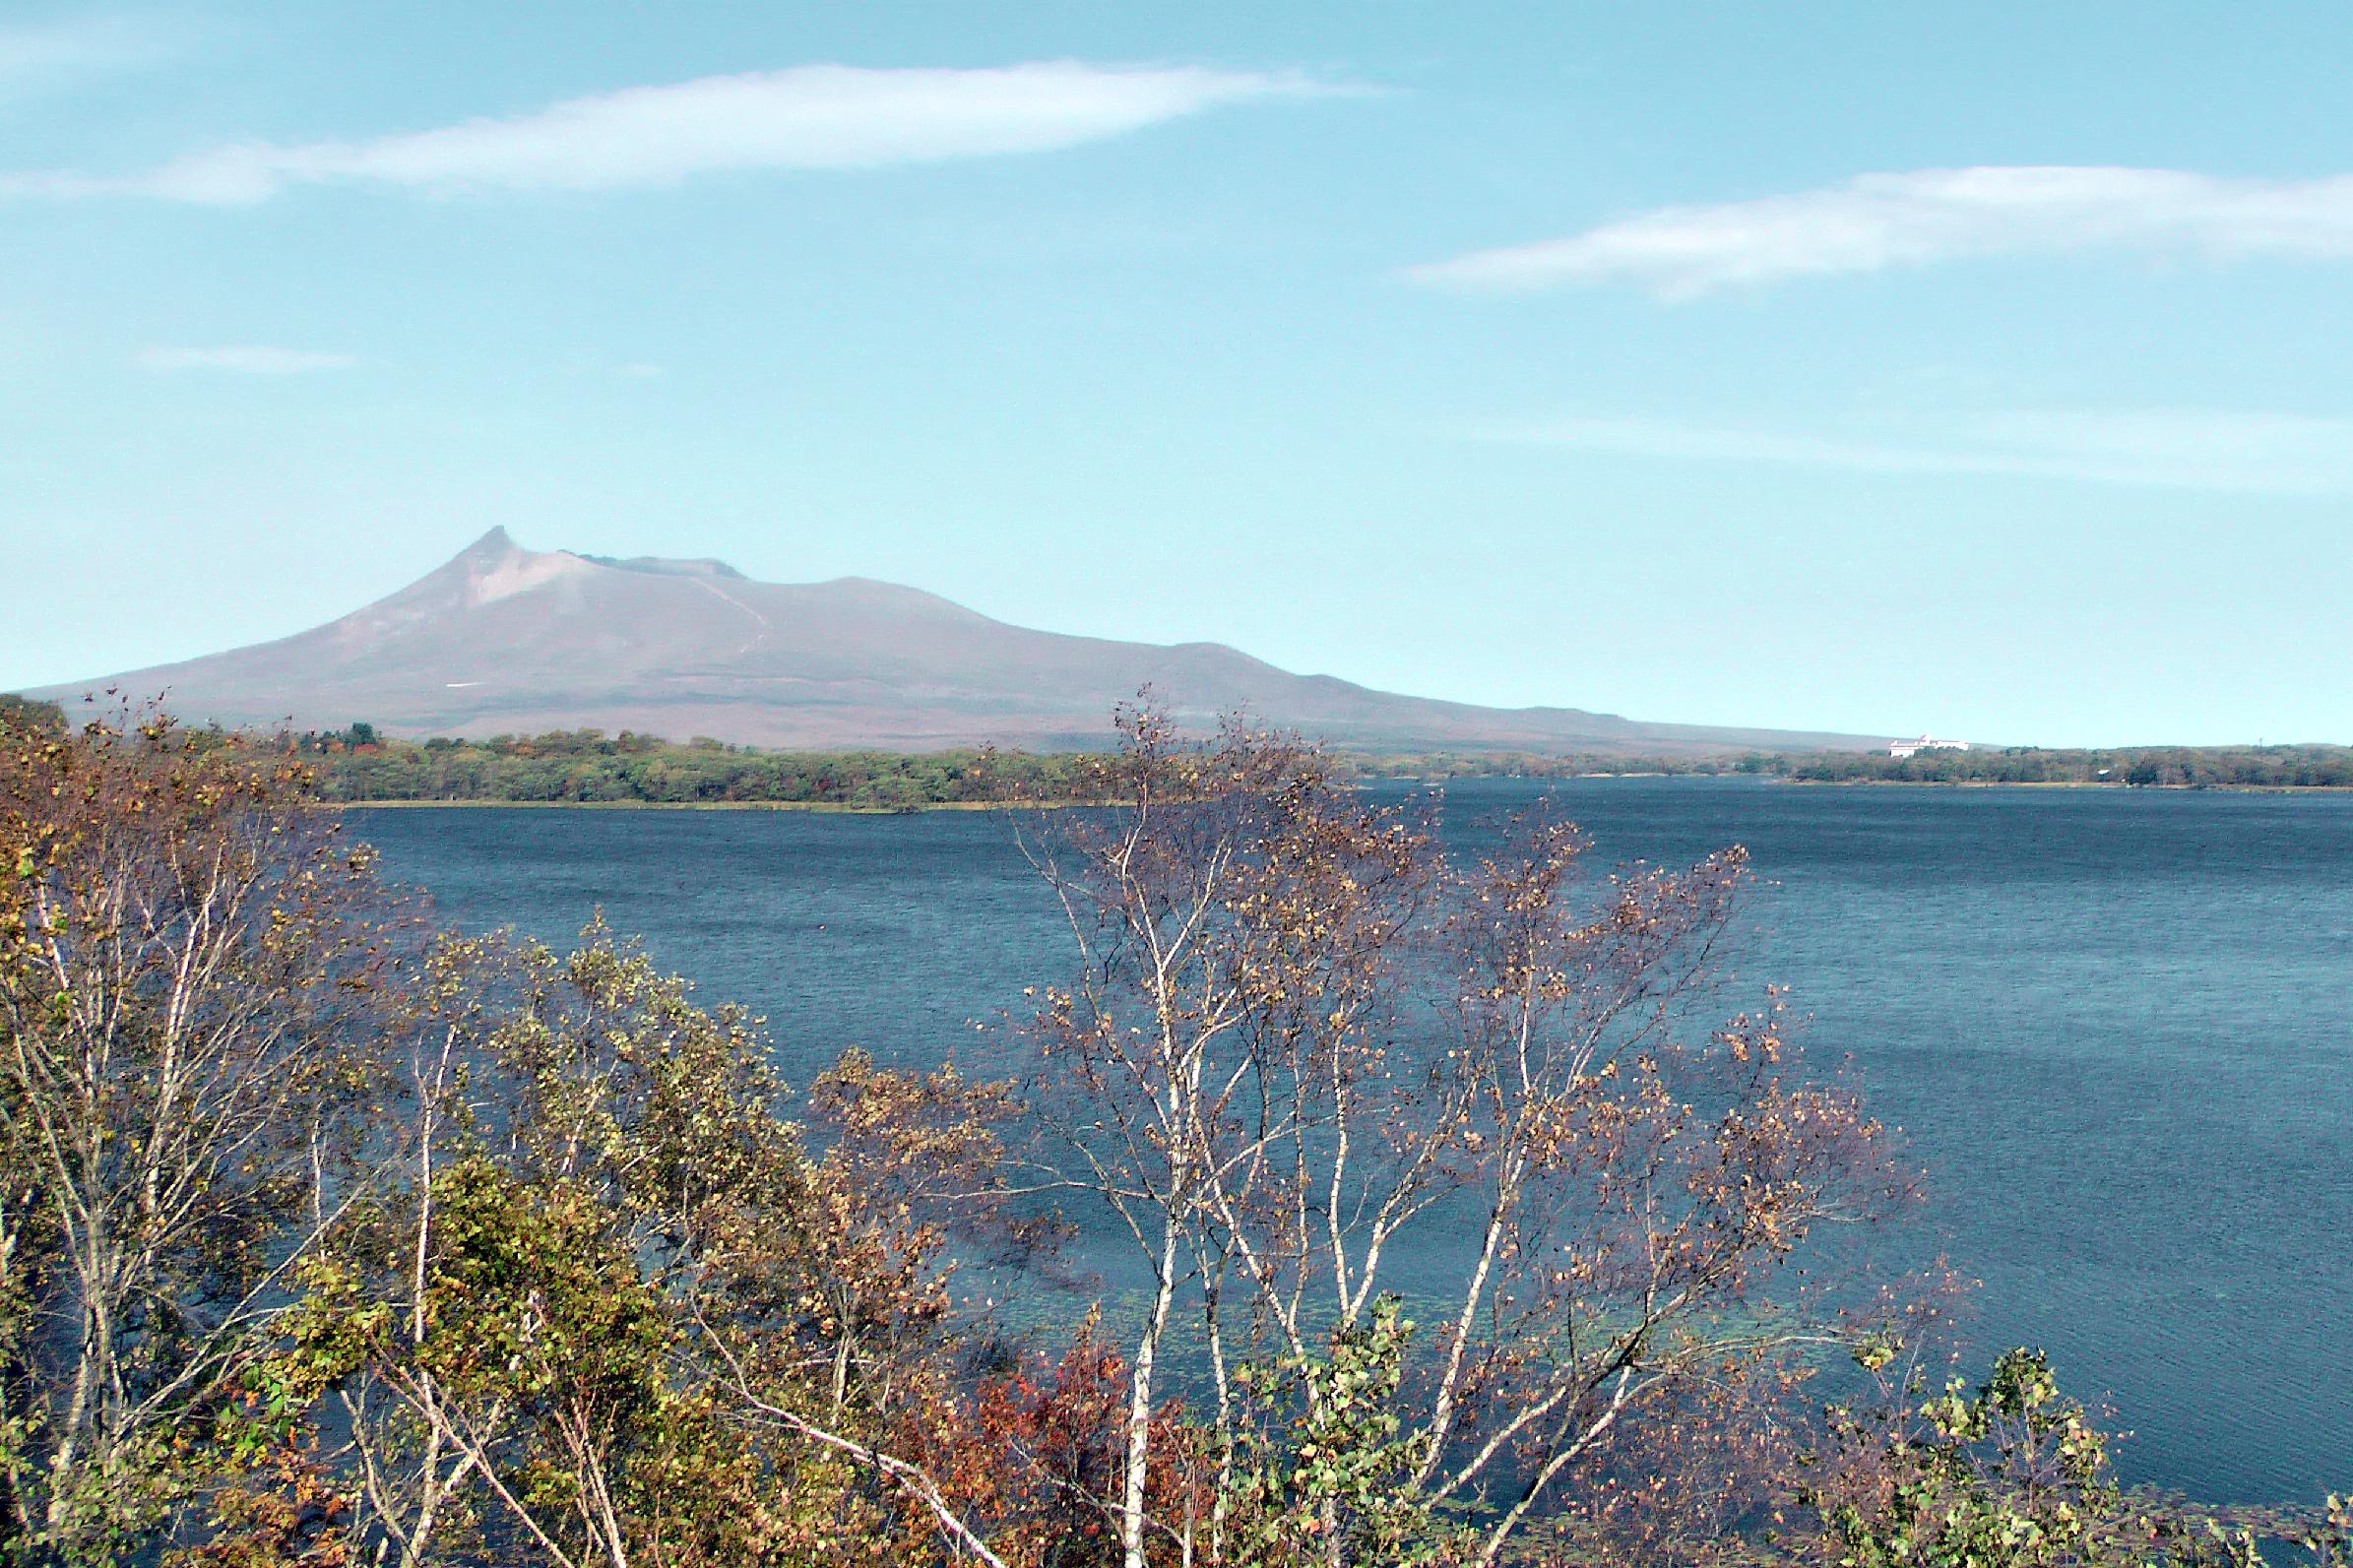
(501, 639)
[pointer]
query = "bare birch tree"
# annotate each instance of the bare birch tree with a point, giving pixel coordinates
(187, 953)
(1310, 1066)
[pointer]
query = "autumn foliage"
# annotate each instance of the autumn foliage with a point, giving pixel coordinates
(1453, 1213)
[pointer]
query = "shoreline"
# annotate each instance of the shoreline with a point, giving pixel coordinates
(2066, 783)
(841, 807)
(846, 808)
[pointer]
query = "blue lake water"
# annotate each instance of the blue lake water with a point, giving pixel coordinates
(2116, 1027)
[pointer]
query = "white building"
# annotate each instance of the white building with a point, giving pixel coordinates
(1906, 749)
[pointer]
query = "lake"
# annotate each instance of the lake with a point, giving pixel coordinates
(2116, 1026)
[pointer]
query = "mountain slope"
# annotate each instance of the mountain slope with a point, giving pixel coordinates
(507, 640)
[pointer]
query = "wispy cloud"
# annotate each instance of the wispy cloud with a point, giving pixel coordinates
(807, 117)
(1880, 220)
(250, 360)
(2278, 454)
(41, 56)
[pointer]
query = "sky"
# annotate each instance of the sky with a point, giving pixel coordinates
(1973, 369)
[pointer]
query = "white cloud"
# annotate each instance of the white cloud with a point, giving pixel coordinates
(246, 360)
(1880, 220)
(2278, 454)
(807, 117)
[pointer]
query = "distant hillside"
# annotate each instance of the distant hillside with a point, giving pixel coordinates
(504, 640)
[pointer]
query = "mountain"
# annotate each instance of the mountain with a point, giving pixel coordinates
(504, 640)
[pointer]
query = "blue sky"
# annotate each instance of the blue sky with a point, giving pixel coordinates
(1967, 368)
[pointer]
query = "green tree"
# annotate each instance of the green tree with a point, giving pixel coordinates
(2013, 1473)
(1326, 1466)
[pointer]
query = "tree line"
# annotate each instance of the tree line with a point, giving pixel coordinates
(2300, 766)
(357, 765)
(587, 766)
(1463, 1225)
(2170, 767)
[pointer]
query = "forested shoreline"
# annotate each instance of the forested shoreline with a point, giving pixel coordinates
(589, 766)
(2137, 767)
(361, 765)
(331, 1237)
